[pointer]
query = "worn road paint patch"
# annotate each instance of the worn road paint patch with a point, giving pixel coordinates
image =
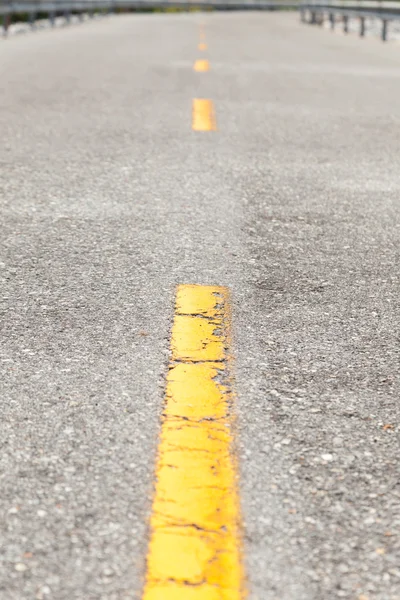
(195, 550)
(202, 46)
(203, 116)
(201, 65)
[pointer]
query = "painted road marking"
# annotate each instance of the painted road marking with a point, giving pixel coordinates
(202, 46)
(201, 65)
(203, 115)
(195, 544)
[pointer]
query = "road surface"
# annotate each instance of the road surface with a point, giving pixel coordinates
(109, 200)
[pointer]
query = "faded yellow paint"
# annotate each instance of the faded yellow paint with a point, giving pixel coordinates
(202, 46)
(195, 339)
(195, 385)
(200, 303)
(195, 550)
(203, 117)
(201, 65)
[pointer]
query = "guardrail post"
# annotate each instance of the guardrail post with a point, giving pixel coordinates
(32, 19)
(313, 18)
(52, 18)
(384, 30)
(362, 26)
(332, 20)
(67, 16)
(345, 23)
(6, 24)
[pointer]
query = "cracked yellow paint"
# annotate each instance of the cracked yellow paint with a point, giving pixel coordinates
(201, 65)
(194, 549)
(203, 116)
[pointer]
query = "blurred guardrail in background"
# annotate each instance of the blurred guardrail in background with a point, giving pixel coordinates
(362, 11)
(362, 15)
(31, 10)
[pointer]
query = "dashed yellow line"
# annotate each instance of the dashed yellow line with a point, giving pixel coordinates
(201, 65)
(202, 46)
(194, 550)
(203, 115)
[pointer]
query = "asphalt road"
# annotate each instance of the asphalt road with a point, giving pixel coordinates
(108, 201)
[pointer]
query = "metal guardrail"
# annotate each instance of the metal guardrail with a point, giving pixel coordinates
(315, 14)
(65, 8)
(311, 11)
(27, 7)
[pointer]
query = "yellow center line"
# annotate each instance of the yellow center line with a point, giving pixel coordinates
(202, 46)
(195, 546)
(203, 115)
(201, 65)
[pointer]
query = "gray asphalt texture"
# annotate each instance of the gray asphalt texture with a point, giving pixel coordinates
(108, 200)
